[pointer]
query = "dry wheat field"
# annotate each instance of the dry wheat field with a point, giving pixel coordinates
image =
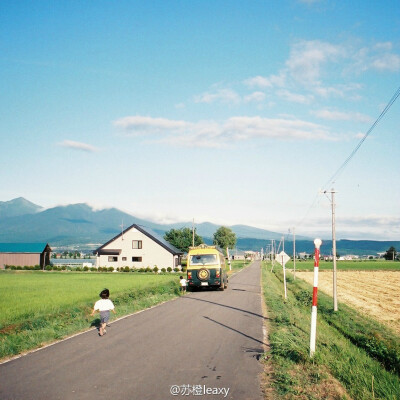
(376, 293)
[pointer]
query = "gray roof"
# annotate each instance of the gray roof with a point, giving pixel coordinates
(149, 233)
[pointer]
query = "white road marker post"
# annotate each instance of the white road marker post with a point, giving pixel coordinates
(282, 258)
(313, 334)
(284, 277)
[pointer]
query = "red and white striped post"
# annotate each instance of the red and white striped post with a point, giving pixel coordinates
(313, 335)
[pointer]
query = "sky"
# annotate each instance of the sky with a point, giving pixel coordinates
(232, 112)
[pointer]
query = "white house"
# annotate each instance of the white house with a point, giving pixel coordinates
(138, 247)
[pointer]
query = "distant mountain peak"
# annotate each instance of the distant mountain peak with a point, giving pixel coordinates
(17, 207)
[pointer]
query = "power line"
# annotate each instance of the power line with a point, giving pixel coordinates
(344, 164)
(352, 154)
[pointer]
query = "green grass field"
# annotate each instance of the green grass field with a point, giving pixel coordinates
(39, 307)
(356, 357)
(356, 265)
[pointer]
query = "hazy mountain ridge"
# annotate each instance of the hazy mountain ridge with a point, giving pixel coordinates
(18, 206)
(79, 223)
(23, 221)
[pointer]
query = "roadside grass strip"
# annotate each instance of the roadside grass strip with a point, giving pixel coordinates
(356, 357)
(69, 313)
(349, 265)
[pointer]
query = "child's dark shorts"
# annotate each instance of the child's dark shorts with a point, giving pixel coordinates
(104, 316)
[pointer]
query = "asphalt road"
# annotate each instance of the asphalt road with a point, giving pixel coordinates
(204, 345)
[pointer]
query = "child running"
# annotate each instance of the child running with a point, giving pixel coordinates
(183, 284)
(104, 306)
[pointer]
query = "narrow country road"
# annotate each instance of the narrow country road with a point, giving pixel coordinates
(202, 345)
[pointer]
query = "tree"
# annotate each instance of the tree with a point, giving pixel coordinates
(182, 238)
(390, 253)
(225, 238)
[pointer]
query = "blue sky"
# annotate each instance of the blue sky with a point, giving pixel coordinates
(225, 111)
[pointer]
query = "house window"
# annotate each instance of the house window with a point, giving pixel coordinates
(136, 244)
(112, 259)
(136, 259)
(123, 258)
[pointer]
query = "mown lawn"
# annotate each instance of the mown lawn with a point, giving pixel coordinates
(356, 357)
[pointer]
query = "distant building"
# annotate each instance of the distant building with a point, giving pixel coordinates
(21, 254)
(138, 247)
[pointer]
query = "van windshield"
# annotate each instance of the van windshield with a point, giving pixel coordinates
(203, 259)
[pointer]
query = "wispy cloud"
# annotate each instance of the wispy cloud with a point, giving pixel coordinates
(295, 97)
(266, 82)
(221, 134)
(308, 57)
(334, 115)
(221, 95)
(140, 125)
(79, 146)
(256, 97)
(379, 57)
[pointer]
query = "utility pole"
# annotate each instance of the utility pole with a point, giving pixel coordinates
(332, 199)
(294, 254)
(193, 233)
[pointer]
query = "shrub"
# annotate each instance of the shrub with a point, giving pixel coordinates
(37, 267)
(169, 269)
(79, 269)
(93, 269)
(127, 269)
(7, 266)
(26, 267)
(86, 268)
(110, 269)
(48, 267)
(163, 270)
(148, 269)
(63, 268)
(141, 270)
(155, 269)
(183, 269)
(176, 269)
(13, 267)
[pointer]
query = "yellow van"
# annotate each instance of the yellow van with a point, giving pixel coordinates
(206, 268)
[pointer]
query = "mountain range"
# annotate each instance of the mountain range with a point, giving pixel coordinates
(81, 225)
(23, 221)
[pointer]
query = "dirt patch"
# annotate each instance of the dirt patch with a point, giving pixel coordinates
(376, 293)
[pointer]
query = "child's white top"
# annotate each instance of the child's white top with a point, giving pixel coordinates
(104, 305)
(183, 282)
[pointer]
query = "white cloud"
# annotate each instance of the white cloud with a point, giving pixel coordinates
(221, 95)
(379, 57)
(307, 58)
(333, 115)
(146, 125)
(220, 134)
(254, 97)
(263, 82)
(78, 146)
(295, 97)
(386, 62)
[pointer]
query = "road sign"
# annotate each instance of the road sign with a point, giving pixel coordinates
(282, 258)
